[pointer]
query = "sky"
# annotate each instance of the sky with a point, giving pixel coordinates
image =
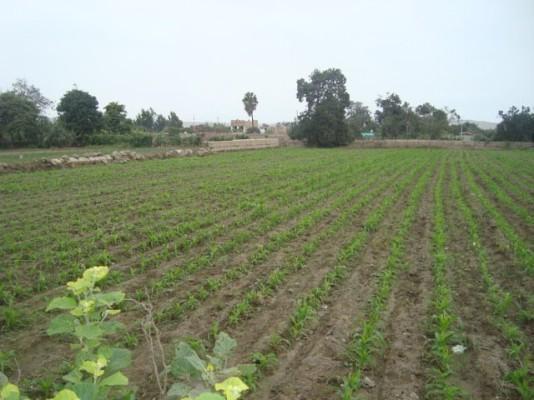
(199, 57)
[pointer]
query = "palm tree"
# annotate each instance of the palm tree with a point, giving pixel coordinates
(250, 101)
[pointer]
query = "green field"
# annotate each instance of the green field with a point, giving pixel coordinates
(353, 272)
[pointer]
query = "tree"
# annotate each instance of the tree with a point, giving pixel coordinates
(160, 123)
(251, 102)
(391, 116)
(32, 93)
(174, 124)
(359, 119)
(433, 122)
(323, 123)
(115, 118)
(145, 119)
(516, 125)
(19, 120)
(78, 111)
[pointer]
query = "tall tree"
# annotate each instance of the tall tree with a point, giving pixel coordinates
(115, 118)
(516, 125)
(160, 123)
(78, 111)
(391, 116)
(19, 121)
(145, 119)
(359, 119)
(251, 102)
(323, 123)
(174, 124)
(22, 88)
(173, 121)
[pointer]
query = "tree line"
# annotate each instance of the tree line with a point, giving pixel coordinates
(24, 123)
(332, 119)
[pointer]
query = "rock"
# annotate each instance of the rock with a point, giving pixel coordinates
(368, 383)
(55, 161)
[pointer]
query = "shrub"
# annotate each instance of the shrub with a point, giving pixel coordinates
(138, 139)
(253, 129)
(107, 138)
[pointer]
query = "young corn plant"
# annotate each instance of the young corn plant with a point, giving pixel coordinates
(522, 381)
(363, 347)
(443, 318)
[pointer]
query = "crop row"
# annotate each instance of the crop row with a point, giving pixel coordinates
(504, 180)
(369, 337)
(175, 274)
(500, 301)
(443, 324)
(524, 255)
(118, 211)
(500, 195)
(273, 219)
(70, 262)
(292, 263)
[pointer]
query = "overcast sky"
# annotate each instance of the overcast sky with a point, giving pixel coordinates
(199, 57)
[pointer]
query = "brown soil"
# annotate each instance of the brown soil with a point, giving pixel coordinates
(313, 367)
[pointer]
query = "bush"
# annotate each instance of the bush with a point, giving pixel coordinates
(56, 135)
(253, 129)
(140, 139)
(190, 140)
(106, 138)
(242, 136)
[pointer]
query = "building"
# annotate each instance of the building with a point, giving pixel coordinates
(239, 125)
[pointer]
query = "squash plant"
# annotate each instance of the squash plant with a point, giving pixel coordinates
(205, 378)
(97, 366)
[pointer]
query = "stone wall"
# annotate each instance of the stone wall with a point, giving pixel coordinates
(243, 144)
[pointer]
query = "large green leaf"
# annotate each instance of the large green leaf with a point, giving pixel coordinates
(109, 298)
(178, 390)
(186, 362)
(224, 345)
(10, 392)
(89, 331)
(62, 303)
(117, 379)
(95, 274)
(118, 358)
(61, 324)
(111, 327)
(86, 390)
(66, 394)
(73, 376)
